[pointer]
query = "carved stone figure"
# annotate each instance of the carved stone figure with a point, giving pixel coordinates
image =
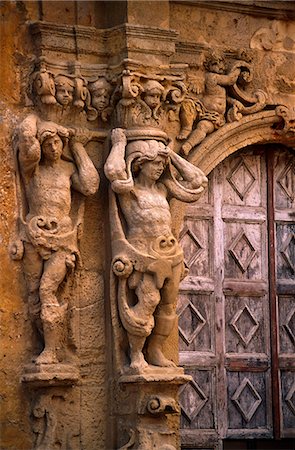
(64, 90)
(152, 94)
(100, 91)
(147, 257)
(209, 110)
(52, 164)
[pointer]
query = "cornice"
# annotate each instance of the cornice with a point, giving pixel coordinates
(119, 41)
(284, 10)
(74, 39)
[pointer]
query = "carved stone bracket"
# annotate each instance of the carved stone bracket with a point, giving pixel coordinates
(147, 400)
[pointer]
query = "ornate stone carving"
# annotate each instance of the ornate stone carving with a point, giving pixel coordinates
(54, 175)
(65, 94)
(288, 119)
(146, 102)
(51, 417)
(100, 91)
(202, 114)
(147, 259)
(277, 36)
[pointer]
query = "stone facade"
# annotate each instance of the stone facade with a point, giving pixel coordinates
(113, 115)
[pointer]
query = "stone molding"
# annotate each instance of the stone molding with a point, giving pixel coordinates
(259, 128)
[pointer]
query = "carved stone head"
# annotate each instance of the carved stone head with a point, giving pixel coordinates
(215, 62)
(64, 90)
(52, 139)
(152, 93)
(142, 151)
(100, 92)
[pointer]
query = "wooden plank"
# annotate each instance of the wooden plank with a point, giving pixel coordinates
(248, 287)
(221, 419)
(191, 359)
(242, 214)
(272, 293)
(197, 284)
(238, 364)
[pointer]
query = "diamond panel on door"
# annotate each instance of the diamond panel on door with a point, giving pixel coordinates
(197, 400)
(247, 403)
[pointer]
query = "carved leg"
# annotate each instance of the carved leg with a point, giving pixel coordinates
(203, 128)
(136, 356)
(187, 118)
(52, 312)
(148, 299)
(164, 326)
(33, 267)
(164, 321)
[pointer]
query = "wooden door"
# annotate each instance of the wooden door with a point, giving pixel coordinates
(237, 306)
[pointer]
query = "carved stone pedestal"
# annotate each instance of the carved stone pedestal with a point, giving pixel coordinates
(148, 408)
(42, 375)
(55, 405)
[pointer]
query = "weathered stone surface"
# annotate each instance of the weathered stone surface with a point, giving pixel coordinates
(137, 65)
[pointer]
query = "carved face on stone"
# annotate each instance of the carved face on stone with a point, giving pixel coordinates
(100, 99)
(216, 64)
(152, 100)
(152, 170)
(149, 157)
(100, 94)
(152, 94)
(52, 148)
(64, 90)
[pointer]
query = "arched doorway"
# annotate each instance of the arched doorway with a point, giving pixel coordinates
(237, 306)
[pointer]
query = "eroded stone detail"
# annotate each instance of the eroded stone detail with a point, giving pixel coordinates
(147, 259)
(54, 175)
(65, 94)
(51, 416)
(202, 114)
(287, 115)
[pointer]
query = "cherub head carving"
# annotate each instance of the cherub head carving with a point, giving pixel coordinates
(64, 90)
(215, 62)
(100, 92)
(152, 93)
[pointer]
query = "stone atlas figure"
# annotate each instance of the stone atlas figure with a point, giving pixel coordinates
(147, 259)
(48, 235)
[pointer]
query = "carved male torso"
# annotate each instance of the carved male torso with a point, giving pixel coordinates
(147, 212)
(49, 191)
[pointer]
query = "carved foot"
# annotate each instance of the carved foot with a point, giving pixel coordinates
(184, 134)
(46, 357)
(156, 358)
(137, 361)
(186, 148)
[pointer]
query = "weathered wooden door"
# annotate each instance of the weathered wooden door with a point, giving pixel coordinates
(237, 306)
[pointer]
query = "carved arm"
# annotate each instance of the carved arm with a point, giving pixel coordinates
(193, 177)
(189, 188)
(29, 150)
(115, 166)
(86, 179)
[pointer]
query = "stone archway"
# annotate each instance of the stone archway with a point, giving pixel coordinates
(259, 128)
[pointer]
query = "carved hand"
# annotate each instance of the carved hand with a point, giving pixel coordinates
(118, 135)
(81, 135)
